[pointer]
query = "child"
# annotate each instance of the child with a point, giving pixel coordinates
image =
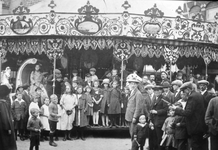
(89, 108)
(140, 133)
(88, 80)
(96, 97)
(168, 139)
(53, 118)
(80, 117)
(34, 125)
(76, 77)
(114, 109)
(125, 96)
(33, 104)
(104, 102)
(114, 75)
(93, 76)
(44, 113)
(19, 110)
(68, 103)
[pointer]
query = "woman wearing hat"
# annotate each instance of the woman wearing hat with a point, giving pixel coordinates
(104, 102)
(7, 136)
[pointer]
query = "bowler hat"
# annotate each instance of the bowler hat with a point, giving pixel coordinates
(203, 82)
(177, 82)
(133, 78)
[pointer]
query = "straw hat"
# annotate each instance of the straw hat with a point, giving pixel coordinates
(133, 78)
(203, 82)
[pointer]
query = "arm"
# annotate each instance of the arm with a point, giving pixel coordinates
(189, 110)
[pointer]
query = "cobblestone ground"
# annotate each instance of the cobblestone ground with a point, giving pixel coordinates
(91, 143)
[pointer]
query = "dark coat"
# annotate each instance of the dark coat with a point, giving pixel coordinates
(207, 97)
(180, 131)
(7, 141)
(124, 102)
(161, 107)
(105, 100)
(114, 101)
(193, 113)
(141, 133)
(170, 97)
(134, 105)
(177, 97)
(148, 105)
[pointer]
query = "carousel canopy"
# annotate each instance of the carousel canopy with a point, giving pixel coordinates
(129, 27)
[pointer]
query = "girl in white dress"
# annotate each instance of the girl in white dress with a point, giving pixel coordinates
(68, 103)
(44, 119)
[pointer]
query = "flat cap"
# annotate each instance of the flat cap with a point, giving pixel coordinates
(93, 69)
(133, 77)
(177, 82)
(186, 85)
(166, 84)
(203, 82)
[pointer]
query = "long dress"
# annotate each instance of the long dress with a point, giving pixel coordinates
(43, 118)
(7, 141)
(68, 101)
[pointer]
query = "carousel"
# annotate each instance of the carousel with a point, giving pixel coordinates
(89, 38)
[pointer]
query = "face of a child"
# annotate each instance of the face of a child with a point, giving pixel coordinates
(114, 72)
(142, 119)
(19, 96)
(35, 100)
(105, 85)
(74, 74)
(92, 72)
(79, 90)
(54, 99)
(38, 91)
(68, 89)
(74, 84)
(35, 114)
(171, 113)
(88, 90)
(46, 101)
(114, 85)
(37, 67)
(108, 75)
(96, 84)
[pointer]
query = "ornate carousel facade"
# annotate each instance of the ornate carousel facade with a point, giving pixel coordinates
(90, 38)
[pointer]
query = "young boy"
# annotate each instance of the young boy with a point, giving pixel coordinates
(34, 125)
(53, 118)
(140, 133)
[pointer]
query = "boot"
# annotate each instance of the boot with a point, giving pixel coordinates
(82, 135)
(51, 140)
(65, 135)
(77, 134)
(68, 135)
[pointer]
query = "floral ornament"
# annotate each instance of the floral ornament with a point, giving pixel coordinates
(171, 54)
(55, 48)
(3, 52)
(115, 27)
(122, 50)
(137, 48)
(207, 58)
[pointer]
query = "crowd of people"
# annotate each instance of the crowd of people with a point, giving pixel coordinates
(160, 114)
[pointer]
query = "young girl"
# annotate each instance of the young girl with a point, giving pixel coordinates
(44, 113)
(125, 96)
(89, 106)
(104, 103)
(68, 103)
(97, 97)
(114, 109)
(19, 110)
(168, 139)
(80, 117)
(34, 125)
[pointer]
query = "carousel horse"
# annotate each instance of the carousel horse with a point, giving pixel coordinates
(24, 73)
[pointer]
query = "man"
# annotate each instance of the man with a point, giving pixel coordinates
(164, 78)
(211, 119)
(167, 93)
(135, 102)
(204, 92)
(158, 113)
(194, 116)
(179, 76)
(145, 81)
(152, 79)
(176, 89)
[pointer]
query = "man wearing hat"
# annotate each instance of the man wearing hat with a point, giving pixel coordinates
(204, 91)
(135, 102)
(158, 114)
(167, 93)
(194, 116)
(94, 77)
(176, 89)
(145, 81)
(164, 78)
(7, 135)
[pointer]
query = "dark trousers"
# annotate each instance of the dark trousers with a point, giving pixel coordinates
(153, 144)
(114, 119)
(197, 142)
(182, 144)
(159, 134)
(131, 127)
(214, 142)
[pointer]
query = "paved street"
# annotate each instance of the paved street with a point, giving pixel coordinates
(91, 143)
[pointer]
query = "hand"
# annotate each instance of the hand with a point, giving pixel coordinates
(133, 120)
(173, 107)
(153, 111)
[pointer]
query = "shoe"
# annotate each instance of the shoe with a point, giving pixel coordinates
(46, 138)
(53, 144)
(56, 139)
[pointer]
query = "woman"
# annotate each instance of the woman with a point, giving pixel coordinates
(68, 103)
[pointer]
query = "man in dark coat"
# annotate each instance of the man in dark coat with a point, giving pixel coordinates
(194, 116)
(7, 136)
(167, 93)
(158, 113)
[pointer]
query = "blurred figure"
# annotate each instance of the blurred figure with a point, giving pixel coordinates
(152, 79)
